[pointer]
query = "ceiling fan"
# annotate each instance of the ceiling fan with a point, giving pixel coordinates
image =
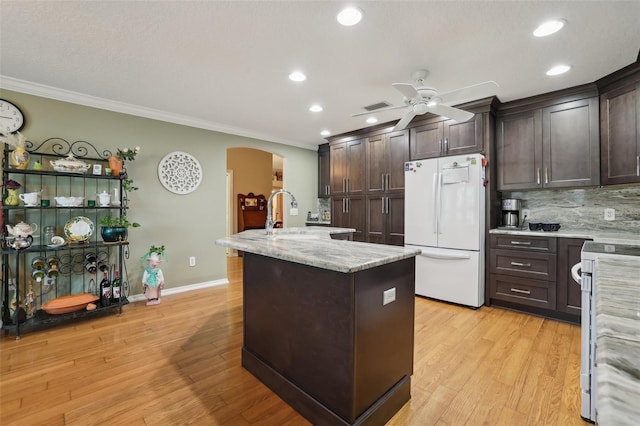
(422, 99)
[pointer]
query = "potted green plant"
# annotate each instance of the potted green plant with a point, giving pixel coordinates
(115, 228)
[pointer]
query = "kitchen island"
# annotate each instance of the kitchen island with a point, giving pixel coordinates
(328, 324)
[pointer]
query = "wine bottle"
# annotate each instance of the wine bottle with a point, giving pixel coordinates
(115, 286)
(105, 285)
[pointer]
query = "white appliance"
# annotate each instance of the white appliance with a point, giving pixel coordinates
(585, 273)
(445, 219)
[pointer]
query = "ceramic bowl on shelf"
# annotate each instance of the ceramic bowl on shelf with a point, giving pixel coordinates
(69, 201)
(70, 165)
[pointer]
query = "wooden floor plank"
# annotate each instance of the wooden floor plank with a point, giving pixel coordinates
(179, 363)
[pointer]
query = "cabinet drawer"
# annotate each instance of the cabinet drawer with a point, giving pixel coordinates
(539, 266)
(541, 294)
(520, 242)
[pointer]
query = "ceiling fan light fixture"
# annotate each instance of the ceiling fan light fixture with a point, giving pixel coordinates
(297, 76)
(549, 27)
(420, 108)
(315, 108)
(372, 120)
(558, 69)
(350, 16)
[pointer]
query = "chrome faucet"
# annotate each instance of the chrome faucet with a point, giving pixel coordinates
(294, 204)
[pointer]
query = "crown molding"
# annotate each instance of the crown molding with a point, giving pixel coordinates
(49, 92)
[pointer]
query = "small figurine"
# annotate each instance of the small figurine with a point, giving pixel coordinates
(37, 165)
(153, 279)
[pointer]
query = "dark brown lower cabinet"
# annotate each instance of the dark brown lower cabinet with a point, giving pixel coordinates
(385, 219)
(569, 292)
(349, 212)
(533, 274)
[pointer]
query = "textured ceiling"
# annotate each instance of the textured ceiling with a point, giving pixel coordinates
(223, 65)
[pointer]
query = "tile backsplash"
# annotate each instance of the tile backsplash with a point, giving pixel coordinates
(580, 209)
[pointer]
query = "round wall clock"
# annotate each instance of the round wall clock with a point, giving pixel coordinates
(180, 172)
(11, 118)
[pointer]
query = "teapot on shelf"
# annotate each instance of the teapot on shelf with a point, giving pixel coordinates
(22, 230)
(19, 243)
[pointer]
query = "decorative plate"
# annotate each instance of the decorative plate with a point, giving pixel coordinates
(180, 172)
(79, 229)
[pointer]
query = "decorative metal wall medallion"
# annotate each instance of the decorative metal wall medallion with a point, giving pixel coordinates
(180, 172)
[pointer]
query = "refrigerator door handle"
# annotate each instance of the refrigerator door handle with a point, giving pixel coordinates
(438, 201)
(446, 256)
(435, 203)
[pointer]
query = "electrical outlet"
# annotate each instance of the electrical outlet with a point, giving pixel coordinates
(526, 213)
(293, 211)
(388, 296)
(192, 261)
(609, 214)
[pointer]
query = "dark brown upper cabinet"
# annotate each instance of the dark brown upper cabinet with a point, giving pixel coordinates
(438, 138)
(347, 167)
(385, 157)
(620, 129)
(324, 171)
(549, 147)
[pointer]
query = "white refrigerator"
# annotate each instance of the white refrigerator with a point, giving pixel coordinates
(445, 219)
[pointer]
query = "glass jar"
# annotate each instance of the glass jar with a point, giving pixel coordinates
(49, 233)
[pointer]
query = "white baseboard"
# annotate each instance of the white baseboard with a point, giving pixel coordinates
(176, 290)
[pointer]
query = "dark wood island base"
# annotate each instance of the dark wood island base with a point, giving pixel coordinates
(325, 341)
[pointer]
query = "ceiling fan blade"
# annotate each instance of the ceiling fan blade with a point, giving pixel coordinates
(404, 121)
(379, 110)
(454, 113)
(470, 93)
(407, 90)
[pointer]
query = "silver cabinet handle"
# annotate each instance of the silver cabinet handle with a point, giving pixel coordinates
(637, 165)
(446, 145)
(383, 179)
(344, 205)
(538, 176)
(546, 175)
(386, 203)
(517, 290)
(347, 180)
(383, 204)
(441, 146)
(344, 185)
(348, 204)
(521, 243)
(525, 265)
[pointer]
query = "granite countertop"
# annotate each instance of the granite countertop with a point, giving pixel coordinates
(313, 246)
(618, 340)
(598, 236)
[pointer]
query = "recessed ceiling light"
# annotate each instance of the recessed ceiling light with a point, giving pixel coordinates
(549, 27)
(325, 133)
(297, 76)
(372, 120)
(558, 69)
(315, 108)
(350, 16)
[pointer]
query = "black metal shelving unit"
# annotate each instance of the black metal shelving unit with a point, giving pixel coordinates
(70, 275)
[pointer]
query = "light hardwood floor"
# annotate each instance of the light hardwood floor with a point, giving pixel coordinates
(179, 363)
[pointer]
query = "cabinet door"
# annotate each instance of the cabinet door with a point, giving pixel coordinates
(376, 219)
(324, 171)
(356, 211)
(338, 155)
(463, 138)
(376, 164)
(569, 292)
(620, 135)
(355, 167)
(395, 220)
(397, 155)
(570, 143)
(519, 151)
(426, 141)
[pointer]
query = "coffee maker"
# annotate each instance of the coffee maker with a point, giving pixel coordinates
(511, 212)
